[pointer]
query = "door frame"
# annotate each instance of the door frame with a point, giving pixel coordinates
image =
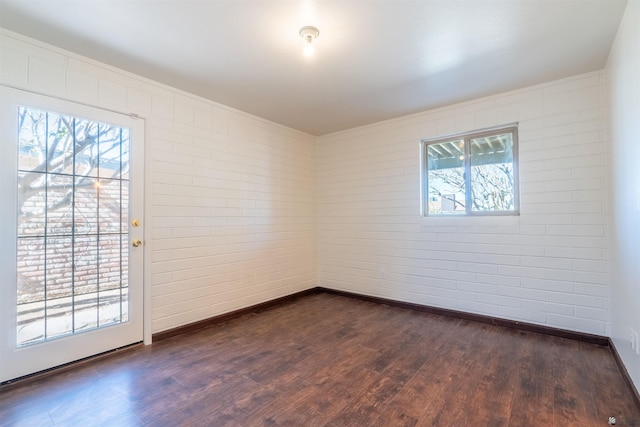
(7, 233)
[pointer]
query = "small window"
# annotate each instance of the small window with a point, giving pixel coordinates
(474, 173)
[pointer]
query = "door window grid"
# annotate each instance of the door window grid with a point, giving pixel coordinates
(72, 249)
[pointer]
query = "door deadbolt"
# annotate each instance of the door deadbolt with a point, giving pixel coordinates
(135, 223)
(137, 243)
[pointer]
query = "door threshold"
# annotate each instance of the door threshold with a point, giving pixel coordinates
(36, 376)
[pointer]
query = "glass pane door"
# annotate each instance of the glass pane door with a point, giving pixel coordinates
(71, 280)
(73, 199)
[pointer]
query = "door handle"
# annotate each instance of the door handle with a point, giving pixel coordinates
(136, 243)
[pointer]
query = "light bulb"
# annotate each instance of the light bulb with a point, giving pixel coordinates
(308, 48)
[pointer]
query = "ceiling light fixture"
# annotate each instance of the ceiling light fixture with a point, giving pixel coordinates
(308, 33)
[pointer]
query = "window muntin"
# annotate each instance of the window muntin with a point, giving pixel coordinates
(72, 240)
(471, 174)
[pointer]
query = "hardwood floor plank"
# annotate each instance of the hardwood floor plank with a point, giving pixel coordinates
(569, 406)
(532, 402)
(492, 398)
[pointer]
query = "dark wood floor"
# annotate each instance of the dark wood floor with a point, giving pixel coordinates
(328, 360)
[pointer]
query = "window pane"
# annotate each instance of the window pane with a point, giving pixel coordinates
(32, 150)
(32, 201)
(59, 205)
(109, 206)
(110, 307)
(445, 178)
(31, 322)
(492, 177)
(124, 207)
(86, 148)
(124, 304)
(110, 273)
(31, 290)
(60, 143)
(86, 203)
(59, 317)
(59, 267)
(31, 270)
(125, 150)
(85, 269)
(113, 152)
(85, 312)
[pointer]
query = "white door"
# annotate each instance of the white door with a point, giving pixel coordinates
(71, 260)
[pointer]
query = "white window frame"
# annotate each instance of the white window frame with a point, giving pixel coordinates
(466, 137)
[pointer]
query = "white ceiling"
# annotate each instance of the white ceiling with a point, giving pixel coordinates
(375, 59)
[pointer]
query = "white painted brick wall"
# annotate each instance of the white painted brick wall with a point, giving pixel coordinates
(548, 266)
(232, 196)
(234, 201)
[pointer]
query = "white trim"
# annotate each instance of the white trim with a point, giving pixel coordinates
(462, 135)
(61, 98)
(147, 218)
